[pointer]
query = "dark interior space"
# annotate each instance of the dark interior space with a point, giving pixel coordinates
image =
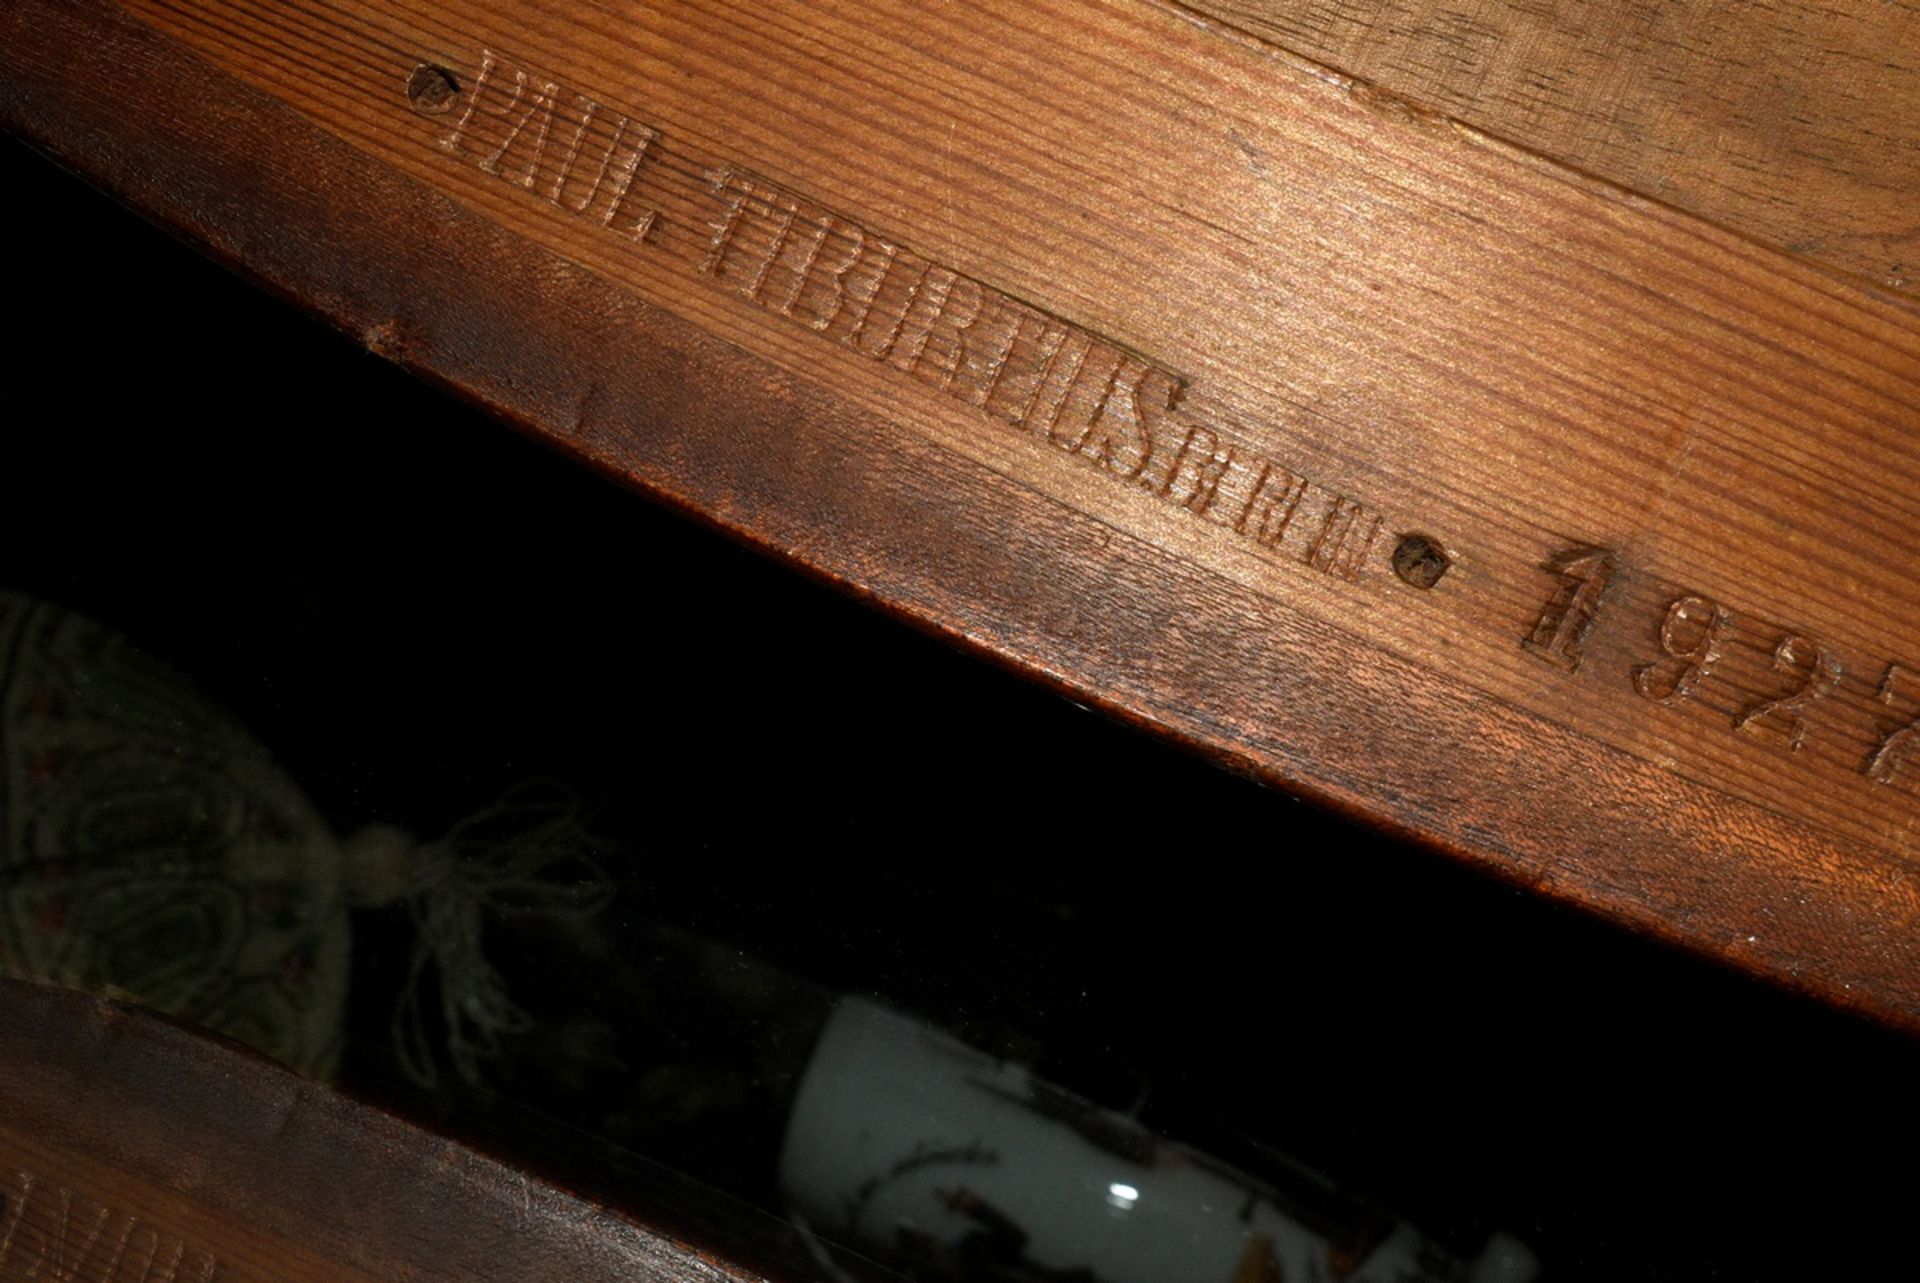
(413, 608)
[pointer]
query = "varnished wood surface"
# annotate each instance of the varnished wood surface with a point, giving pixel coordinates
(134, 1151)
(1788, 120)
(808, 270)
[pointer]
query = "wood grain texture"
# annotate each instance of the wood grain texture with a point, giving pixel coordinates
(814, 279)
(136, 1151)
(1788, 120)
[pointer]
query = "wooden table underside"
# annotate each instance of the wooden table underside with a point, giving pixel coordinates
(1105, 338)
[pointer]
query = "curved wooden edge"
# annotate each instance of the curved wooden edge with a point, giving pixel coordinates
(939, 539)
(134, 1148)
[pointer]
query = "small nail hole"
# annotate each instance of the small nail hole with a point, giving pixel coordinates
(432, 90)
(1420, 561)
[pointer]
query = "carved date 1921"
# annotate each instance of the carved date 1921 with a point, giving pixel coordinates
(1693, 636)
(1900, 741)
(1560, 636)
(1819, 671)
(1687, 664)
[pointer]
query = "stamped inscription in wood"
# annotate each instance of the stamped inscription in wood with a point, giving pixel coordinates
(1055, 382)
(1899, 686)
(585, 168)
(1699, 644)
(1560, 635)
(1369, 454)
(50, 1232)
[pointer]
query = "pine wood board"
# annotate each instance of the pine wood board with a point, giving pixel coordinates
(136, 1151)
(1787, 120)
(1121, 346)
